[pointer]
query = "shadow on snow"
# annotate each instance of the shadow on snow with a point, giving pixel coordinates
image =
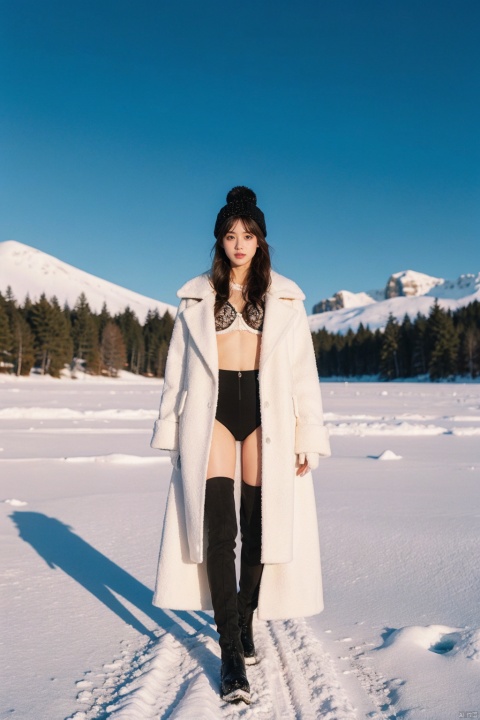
(62, 548)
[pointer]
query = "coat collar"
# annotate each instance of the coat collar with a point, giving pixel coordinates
(199, 287)
(200, 320)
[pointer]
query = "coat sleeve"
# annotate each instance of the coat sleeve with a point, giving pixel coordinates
(311, 435)
(165, 431)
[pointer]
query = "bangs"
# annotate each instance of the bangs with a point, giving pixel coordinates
(249, 225)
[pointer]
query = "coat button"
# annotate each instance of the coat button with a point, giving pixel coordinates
(267, 440)
(266, 404)
(209, 404)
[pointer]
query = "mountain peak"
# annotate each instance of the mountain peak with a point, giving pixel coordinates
(410, 282)
(28, 270)
(407, 292)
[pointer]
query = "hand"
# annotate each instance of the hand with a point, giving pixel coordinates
(303, 465)
(307, 461)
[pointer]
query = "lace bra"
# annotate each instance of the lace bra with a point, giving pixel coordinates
(229, 319)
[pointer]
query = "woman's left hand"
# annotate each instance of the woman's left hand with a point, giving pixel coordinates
(303, 465)
(307, 461)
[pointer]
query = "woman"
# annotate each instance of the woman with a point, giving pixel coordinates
(241, 371)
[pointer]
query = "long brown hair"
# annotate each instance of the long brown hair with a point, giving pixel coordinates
(258, 278)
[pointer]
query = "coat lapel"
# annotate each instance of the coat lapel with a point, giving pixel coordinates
(201, 324)
(278, 316)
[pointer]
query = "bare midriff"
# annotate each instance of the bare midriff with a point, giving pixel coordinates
(239, 350)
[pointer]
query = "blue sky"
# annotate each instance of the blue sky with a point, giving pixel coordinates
(124, 124)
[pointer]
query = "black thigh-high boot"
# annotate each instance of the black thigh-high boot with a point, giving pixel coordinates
(251, 568)
(222, 532)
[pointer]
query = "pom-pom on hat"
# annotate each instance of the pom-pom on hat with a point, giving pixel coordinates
(241, 201)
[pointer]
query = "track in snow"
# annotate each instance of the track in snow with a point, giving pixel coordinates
(176, 677)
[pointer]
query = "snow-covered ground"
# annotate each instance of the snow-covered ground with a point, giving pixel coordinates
(399, 516)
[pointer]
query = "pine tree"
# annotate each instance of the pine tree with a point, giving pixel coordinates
(23, 347)
(167, 325)
(133, 338)
(337, 354)
(85, 333)
(67, 313)
(419, 346)
(5, 338)
(112, 349)
(389, 351)
(442, 342)
(151, 337)
(22, 338)
(102, 320)
(467, 325)
(157, 332)
(322, 343)
(471, 350)
(53, 343)
(405, 347)
(162, 358)
(362, 351)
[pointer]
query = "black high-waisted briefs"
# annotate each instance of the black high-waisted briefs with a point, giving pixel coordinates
(238, 406)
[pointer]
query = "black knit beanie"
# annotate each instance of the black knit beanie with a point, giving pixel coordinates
(241, 201)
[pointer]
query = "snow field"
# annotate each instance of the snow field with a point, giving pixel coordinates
(82, 504)
(177, 676)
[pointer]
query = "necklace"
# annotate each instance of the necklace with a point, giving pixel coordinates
(236, 286)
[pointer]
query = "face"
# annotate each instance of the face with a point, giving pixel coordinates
(239, 245)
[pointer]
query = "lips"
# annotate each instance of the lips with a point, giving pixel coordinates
(239, 255)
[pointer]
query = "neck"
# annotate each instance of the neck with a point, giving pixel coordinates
(239, 275)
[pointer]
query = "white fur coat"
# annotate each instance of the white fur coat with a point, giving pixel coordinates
(292, 422)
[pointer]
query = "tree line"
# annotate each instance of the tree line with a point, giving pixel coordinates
(46, 336)
(441, 345)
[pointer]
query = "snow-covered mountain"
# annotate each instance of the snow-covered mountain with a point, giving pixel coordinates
(32, 271)
(343, 299)
(410, 283)
(407, 283)
(407, 292)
